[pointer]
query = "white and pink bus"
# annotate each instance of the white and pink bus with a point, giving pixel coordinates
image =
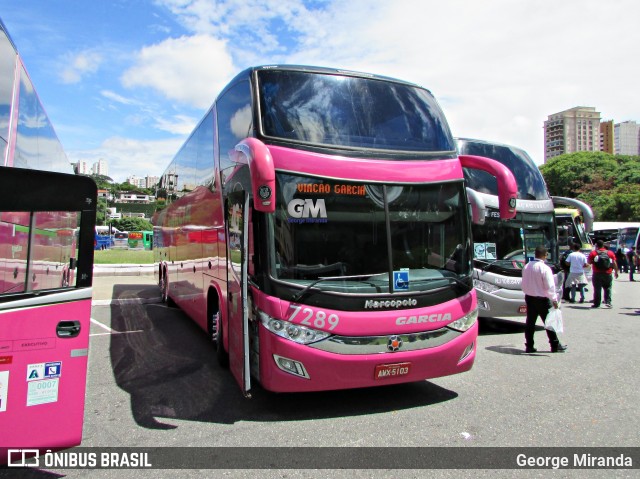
(318, 228)
(47, 217)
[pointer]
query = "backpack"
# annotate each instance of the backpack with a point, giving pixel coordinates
(602, 259)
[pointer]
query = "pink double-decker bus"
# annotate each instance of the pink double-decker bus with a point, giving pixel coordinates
(47, 218)
(318, 228)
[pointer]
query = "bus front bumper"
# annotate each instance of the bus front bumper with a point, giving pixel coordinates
(286, 366)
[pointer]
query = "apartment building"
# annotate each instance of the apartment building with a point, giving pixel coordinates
(607, 143)
(576, 129)
(627, 138)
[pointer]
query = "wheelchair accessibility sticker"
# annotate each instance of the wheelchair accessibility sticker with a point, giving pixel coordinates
(401, 280)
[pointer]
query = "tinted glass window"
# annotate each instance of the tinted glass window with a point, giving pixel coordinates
(531, 185)
(7, 66)
(36, 249)
(353, 112)
(327, 228)
(37, 146)
(234, 123)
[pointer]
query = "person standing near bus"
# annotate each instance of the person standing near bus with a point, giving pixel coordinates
(539, 290)
(632, 259)
(576, 279)
(604, 265)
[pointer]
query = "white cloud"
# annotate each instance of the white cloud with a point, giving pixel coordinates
(498, 68)
(126, 156)
(189, 69)
(77, 65)
(177, 125)
(110, 95)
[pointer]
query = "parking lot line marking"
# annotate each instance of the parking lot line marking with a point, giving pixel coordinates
(103, 326)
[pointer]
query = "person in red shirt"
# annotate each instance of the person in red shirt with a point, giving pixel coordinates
(602, 277)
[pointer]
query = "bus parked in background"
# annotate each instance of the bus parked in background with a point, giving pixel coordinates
(575, 221)
(47, 218)
(147, 240)
(607, 231)
(141, 240)
(502, 247)
(321, 231)
(629, 237)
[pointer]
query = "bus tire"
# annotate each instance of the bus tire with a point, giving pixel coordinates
(164, 291)
(221, 354)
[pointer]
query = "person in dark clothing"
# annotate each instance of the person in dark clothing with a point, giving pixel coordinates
(602, 278)
(632, 258)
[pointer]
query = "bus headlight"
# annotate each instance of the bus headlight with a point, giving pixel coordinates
(484, 286)
(293, 332)
(465, 322)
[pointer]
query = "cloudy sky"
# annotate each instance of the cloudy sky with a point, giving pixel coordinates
(127, 80)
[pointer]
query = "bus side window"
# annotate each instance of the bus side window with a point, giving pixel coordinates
(14, 238)
(234, 123)
(37, 250)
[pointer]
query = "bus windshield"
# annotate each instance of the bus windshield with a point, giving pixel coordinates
(570, 230)
(627, 238)
(353, 237)
(351, 112)
(505, 245)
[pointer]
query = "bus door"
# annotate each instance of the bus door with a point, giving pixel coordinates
(45, 309)
(237, 305)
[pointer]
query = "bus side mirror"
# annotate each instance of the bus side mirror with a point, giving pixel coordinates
(263, 173)
(507, 186)
(73, 263)
(477, 206)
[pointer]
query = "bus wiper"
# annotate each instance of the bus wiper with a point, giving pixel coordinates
(299, 295)
(450, 278)
(487, 263)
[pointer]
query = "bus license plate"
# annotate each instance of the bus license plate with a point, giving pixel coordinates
(522, 309)
(386, 371)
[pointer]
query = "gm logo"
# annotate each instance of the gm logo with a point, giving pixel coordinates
(307, 211)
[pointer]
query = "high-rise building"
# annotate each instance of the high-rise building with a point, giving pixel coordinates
(627, 138)
(100, 168)
(576, 129)
(151, 181)
(606, 137)
(82, 168)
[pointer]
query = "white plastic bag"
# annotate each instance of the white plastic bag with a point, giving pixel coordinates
(554, 321)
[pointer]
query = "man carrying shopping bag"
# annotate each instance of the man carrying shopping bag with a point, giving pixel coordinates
(539, 295)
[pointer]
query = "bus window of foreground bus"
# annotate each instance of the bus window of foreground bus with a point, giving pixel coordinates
(502, 248)
(318, 228)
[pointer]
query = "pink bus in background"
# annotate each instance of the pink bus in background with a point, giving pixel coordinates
(47, 218)
(318, 228)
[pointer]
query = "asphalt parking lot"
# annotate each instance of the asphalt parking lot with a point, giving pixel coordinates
(154, 381)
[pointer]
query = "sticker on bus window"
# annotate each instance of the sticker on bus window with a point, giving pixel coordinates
(6, 360)
(42, 392)
(484, 251)
(4, 388)
(401, 280)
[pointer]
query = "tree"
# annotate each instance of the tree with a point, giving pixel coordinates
(609, 183)
(132, 224)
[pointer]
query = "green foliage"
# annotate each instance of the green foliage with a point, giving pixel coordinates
(609, 183)
(103, 182)
(132, 224)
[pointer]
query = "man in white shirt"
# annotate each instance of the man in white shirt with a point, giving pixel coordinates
(577, 267)
(539, 291)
